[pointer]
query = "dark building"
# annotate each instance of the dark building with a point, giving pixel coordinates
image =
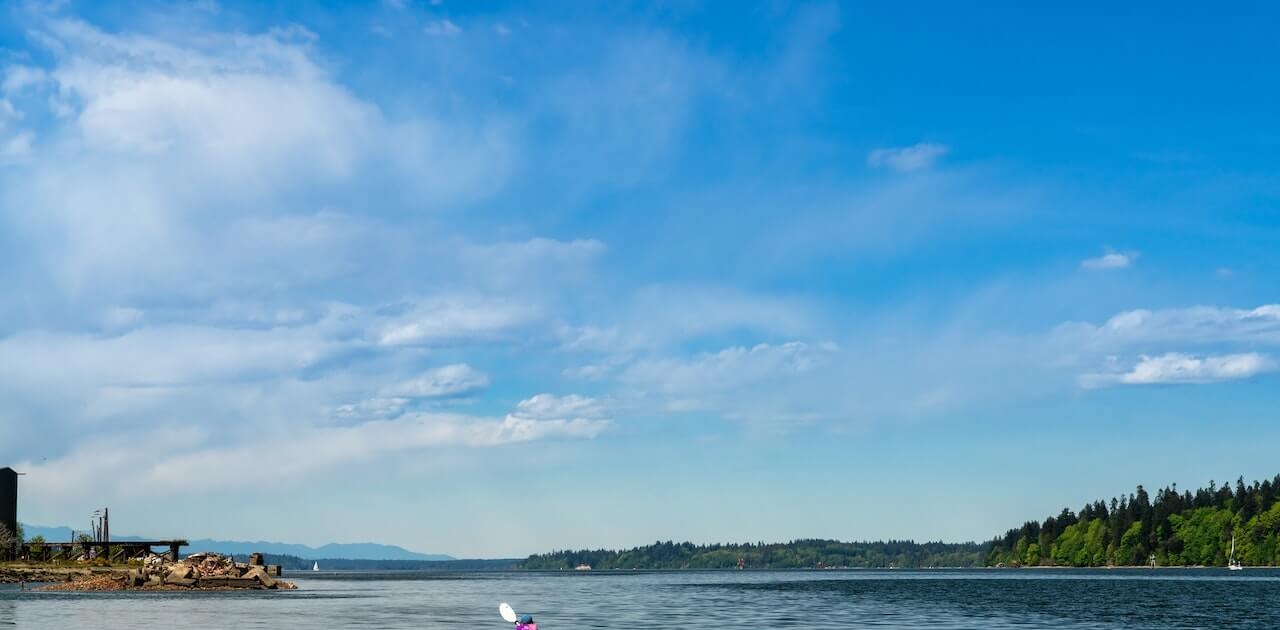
(9, 499)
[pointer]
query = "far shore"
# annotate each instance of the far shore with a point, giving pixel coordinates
(1125, 566)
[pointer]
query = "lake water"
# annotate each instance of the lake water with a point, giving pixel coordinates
(1130, 598)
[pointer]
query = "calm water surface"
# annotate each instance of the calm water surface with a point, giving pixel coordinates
(691, 601)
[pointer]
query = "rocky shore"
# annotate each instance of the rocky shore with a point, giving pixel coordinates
(198, 571)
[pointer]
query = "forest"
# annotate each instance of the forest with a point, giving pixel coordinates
(1171, 528)
(792, 555)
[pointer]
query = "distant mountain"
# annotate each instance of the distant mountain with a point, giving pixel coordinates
(293, 563)
(352, 551)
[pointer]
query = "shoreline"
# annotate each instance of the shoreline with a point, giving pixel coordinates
(202, 572)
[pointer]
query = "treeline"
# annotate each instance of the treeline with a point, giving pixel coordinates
(1172, 529)
(294, 563)
(792, 555)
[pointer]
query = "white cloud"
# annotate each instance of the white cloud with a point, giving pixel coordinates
(167, 355)
(732, 367)
(1193, 325)
(660, 315)
(550, 406)
(525, 263)
(121, 317)
(590, 372)
(448, 380)
(1110, 260)
(16, 148)
(164, 146)
(455, 320)
(624, 109)
(8, 112)
(112, 467)
(372, 409)
(18, 78)
(1214, 343)
(1178, 368)
(442, 28)
(759, 384)
(905, 159)
(502, 29)
(256, 104)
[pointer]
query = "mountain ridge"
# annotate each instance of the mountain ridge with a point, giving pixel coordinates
(348, 551)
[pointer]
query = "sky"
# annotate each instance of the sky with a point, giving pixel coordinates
(491, 279)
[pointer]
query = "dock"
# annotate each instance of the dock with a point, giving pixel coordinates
(112, 551)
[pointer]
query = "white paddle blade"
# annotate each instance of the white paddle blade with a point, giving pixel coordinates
(504, 609)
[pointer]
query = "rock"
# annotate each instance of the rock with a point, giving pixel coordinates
(260, 574)
(180, 581)
(179, 571)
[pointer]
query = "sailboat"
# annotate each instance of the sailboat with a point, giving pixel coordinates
(1232, 563)
(315, 567)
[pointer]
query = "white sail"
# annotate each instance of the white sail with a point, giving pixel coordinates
(1232, 563)
(315, 567)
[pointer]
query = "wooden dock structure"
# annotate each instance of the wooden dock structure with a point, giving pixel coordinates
(113, 551)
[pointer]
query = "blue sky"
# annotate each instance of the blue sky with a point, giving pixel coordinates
(491, 279)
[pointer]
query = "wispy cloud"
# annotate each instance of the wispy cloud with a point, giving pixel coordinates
(449, 380)
(550, 406)
(1110, 260)
(755, 385)
(442, 28)
(905, 159)
(1176, 368)
(1222, 343)
(1193, 325)
(456, 319)
(294, 453)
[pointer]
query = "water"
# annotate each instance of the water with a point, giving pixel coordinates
(944, 600)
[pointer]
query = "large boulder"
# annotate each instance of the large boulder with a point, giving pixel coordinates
(260, 574)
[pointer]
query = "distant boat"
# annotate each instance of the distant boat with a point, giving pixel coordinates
(1232, 563)
(582, 567)
(315, 567)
